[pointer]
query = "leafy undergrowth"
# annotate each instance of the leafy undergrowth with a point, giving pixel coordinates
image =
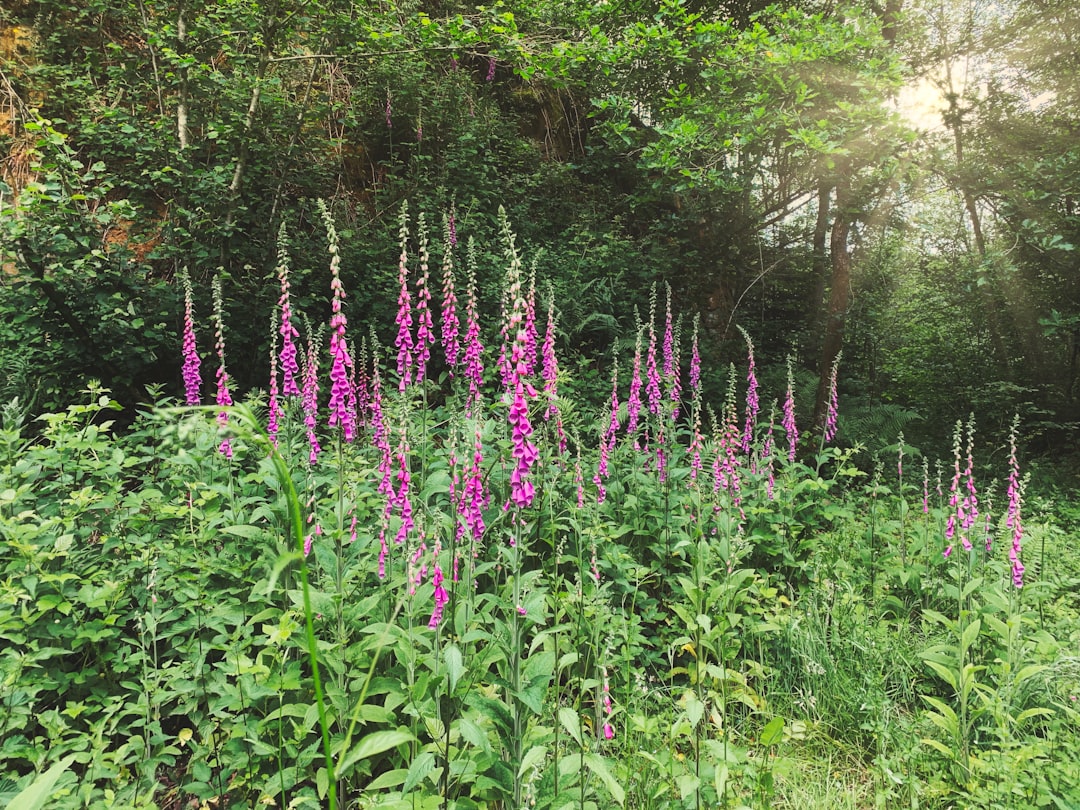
(486, 596)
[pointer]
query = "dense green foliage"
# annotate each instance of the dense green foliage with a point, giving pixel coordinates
(686, 612)
(216, 616)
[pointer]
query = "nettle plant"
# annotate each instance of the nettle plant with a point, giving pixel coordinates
(372, 588)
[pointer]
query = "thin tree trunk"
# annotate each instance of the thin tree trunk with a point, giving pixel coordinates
(839, 296)
(183, 133)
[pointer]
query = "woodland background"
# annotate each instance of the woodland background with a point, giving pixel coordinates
(898, 180)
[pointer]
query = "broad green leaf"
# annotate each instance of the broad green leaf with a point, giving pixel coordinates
(946, 674)
(944, 749)
(598, 765)
(455, 665)
(372, 744)
(1027, 714)
(773, 732)
(38, 792)
(532, 757)
(570, 721)
(418, 771)
(1029, 670)
(971, 633)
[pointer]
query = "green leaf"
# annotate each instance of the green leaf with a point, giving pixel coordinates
(971, 633)
(1028, 671)
(1027, 714)
(773, 732)
(532, 757)
(455, 665)
(418, 771)
(39, 791)
(570, 721)
(946, 674)
(598, 765)
(372, 744)
(248, 532)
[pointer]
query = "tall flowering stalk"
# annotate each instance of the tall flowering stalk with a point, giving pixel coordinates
(790, 427)
(1015, 494)
(531, 332)
(633, 403)
(342, 395)
(310, 394)
(652, 374)
(380, 435)
(425, 328)
(522, 491)
(752, 403)
(473, 497)
(695, 359)
(954, 498)
(697, 441)
(192, 379)
(550, 373)
(449, 317)
(768, 453)
(224, 398)
(832, 411)
(274, 407)
(671, 358)
(404, 321)
(969, 507)
(290, 367)
(607, 440)
(474, 349)
(441, 597)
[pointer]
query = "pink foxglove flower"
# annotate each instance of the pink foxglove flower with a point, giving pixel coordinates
(404, 341)
(491, 69)
(669, 339)
(224, 398)
(925, 486)
(341, 364)
(425, 328)
(968, 512)
(473, 498)
(274, 407)
(380, 435)
(522, 490)
(954, 498)
(695, 360)
(1015, 495)
(474, 349)
(449, 317)
(531, 333)
(767, 454)
(441, 597)
(609, 732)
(751, 393)
(832, 411)
(401, 498)
(550, 373)
(192, 380)
(290, 367)
(310, 395)
(633, 403)
(607, 441)
(652, 374)
(789, 425)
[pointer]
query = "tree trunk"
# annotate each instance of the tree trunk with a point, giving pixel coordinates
(183, 133)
